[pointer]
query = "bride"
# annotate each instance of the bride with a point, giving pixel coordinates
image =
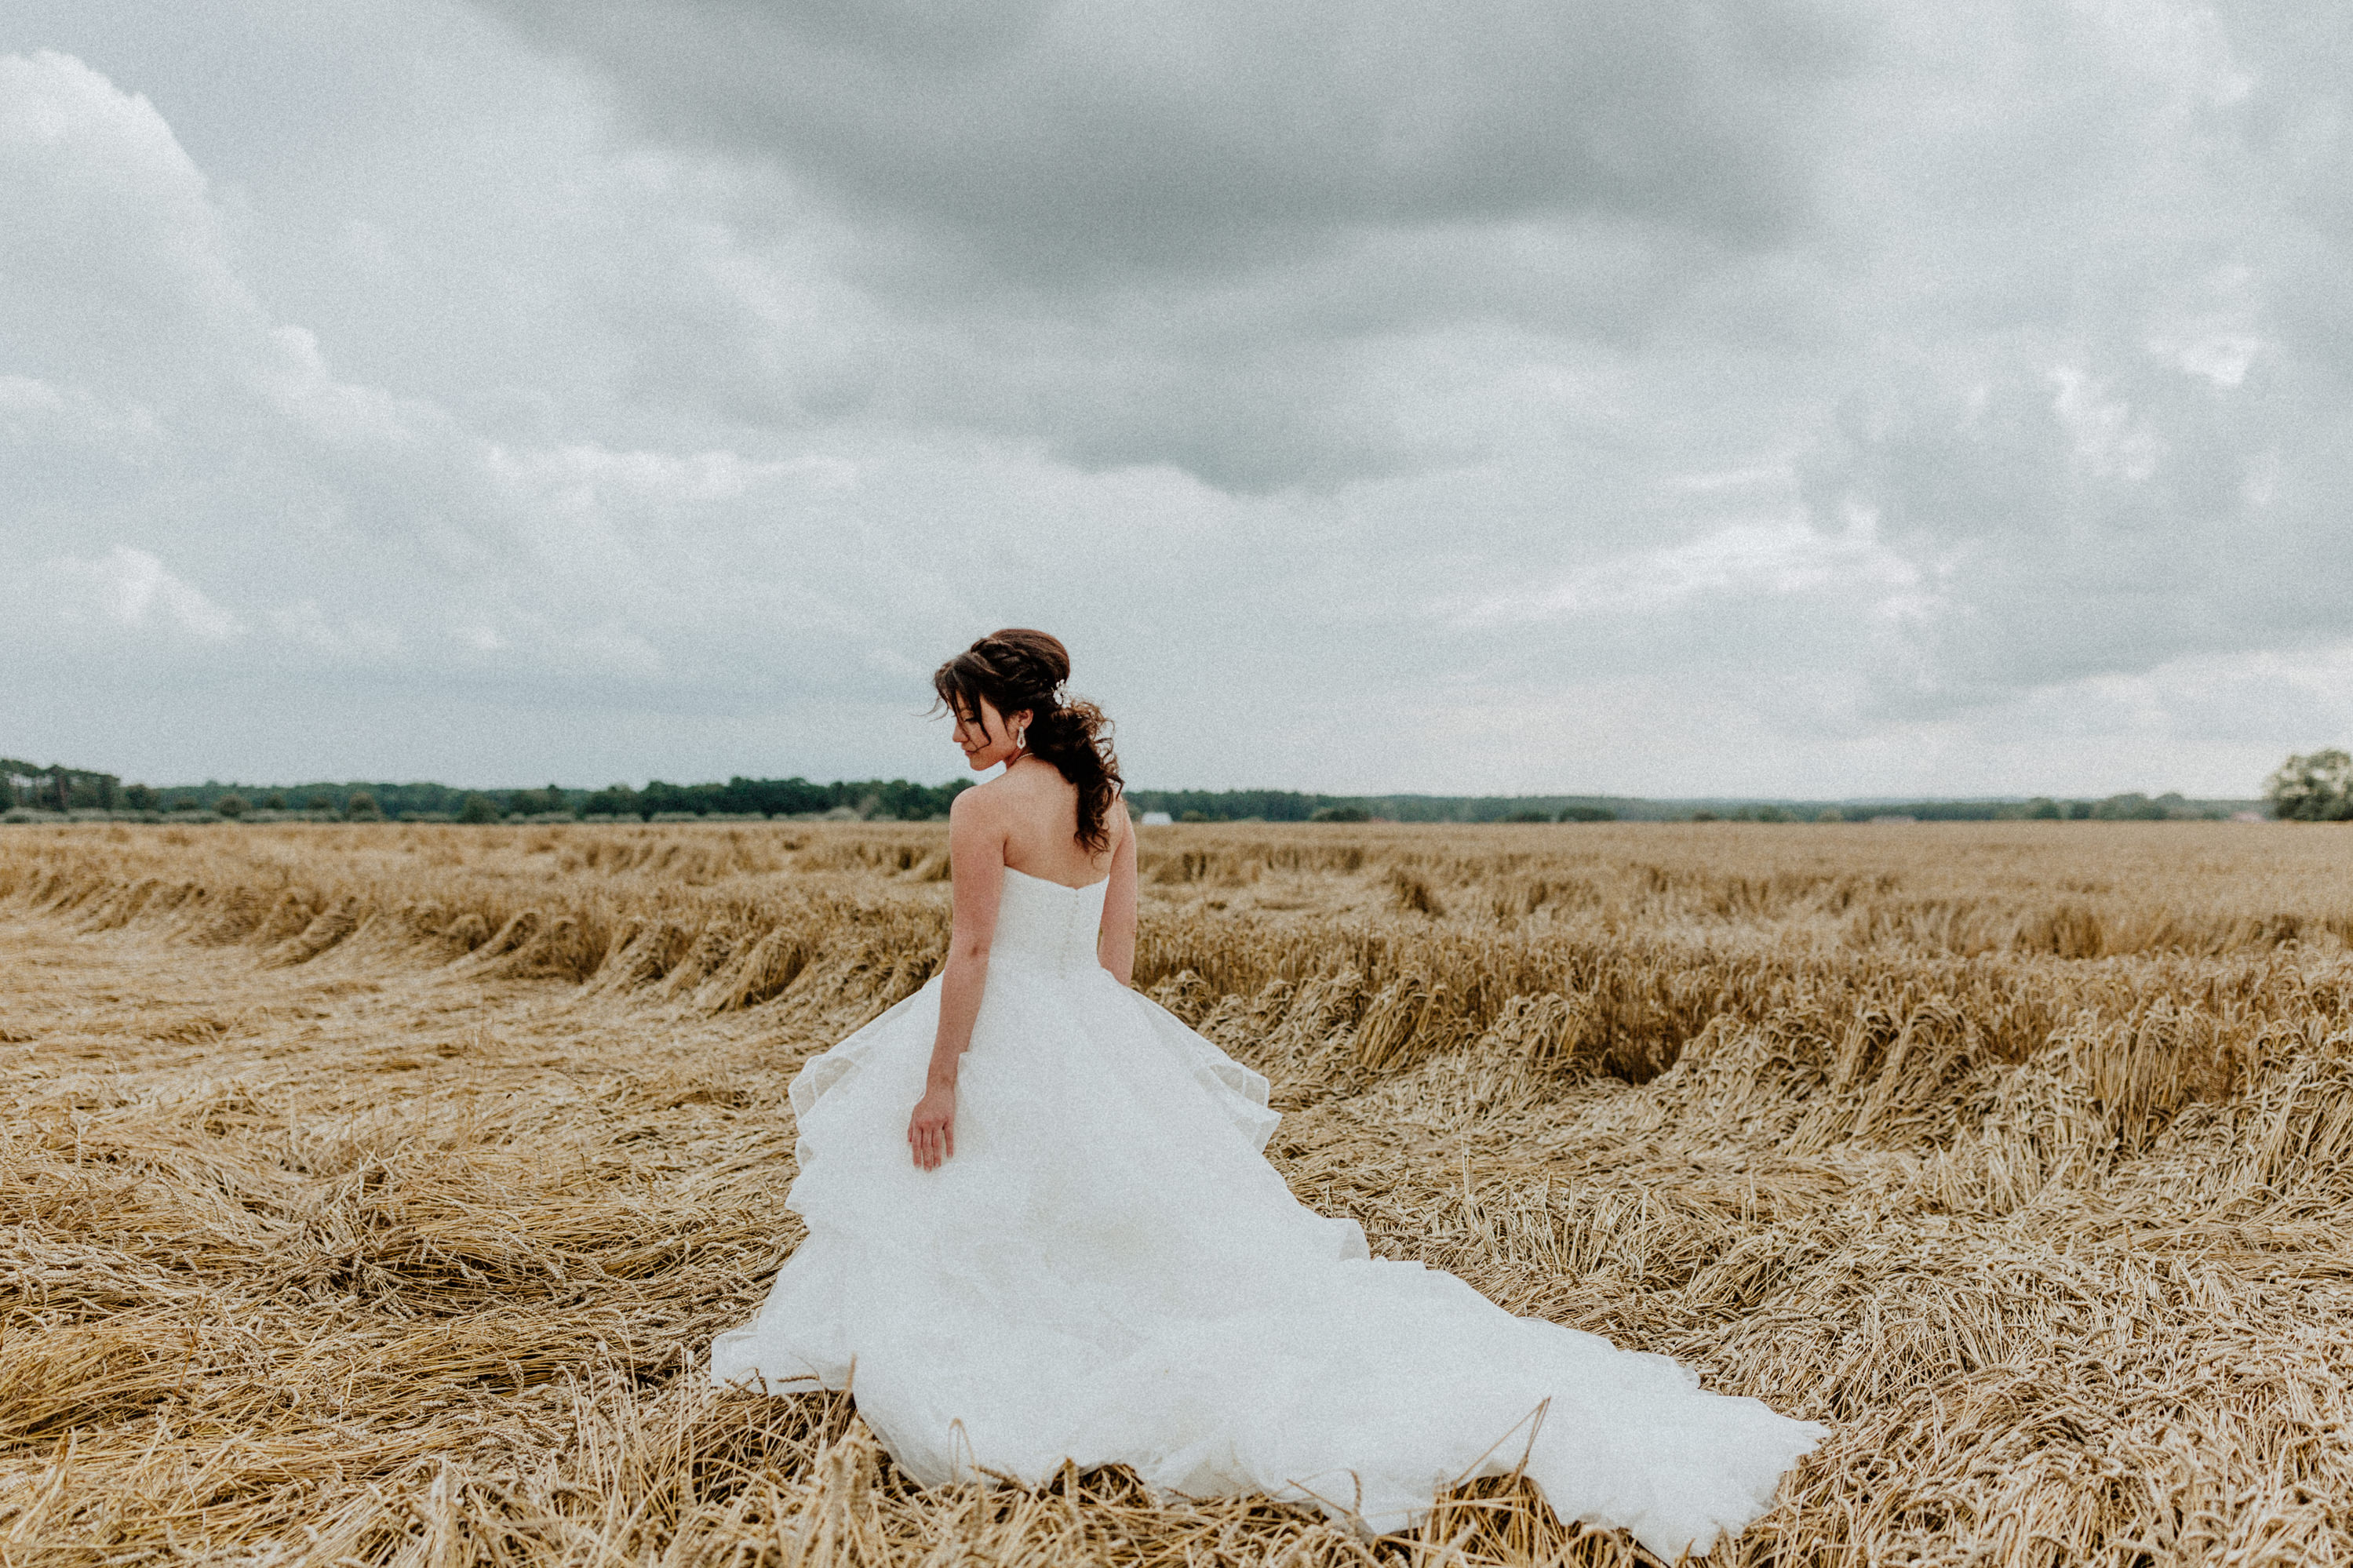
(1073, 1249)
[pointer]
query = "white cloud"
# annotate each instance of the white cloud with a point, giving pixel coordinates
(23, 394)
(2107, 441)
(1769, 558)
(133, 590)
(113, 251)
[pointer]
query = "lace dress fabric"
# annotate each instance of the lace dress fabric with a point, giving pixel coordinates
(1109, 1271)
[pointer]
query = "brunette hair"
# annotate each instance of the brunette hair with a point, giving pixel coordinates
(1016, 669)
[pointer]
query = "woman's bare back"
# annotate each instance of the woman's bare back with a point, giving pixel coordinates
(1042, 825)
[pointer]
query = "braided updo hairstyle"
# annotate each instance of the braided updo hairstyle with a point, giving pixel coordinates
(1016, 669)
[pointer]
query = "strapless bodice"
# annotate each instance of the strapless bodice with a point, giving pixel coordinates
(1038, 922)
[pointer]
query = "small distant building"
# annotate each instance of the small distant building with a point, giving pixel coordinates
(1892, 818)
(2249, 817)
(1158, 819)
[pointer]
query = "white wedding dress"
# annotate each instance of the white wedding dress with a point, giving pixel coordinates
(1109, 1271)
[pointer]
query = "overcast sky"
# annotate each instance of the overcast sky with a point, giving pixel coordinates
(1757, 397)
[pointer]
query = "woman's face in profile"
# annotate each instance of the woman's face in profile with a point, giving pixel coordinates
(984, 736)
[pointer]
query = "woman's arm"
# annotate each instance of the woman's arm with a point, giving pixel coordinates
(1116, 946)
(976, 853)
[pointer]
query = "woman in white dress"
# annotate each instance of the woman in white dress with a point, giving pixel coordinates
(1041, 1226)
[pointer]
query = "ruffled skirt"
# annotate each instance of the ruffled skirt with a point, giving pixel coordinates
(1108, 1271)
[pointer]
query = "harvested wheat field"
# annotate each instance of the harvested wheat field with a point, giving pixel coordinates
(372, 1192)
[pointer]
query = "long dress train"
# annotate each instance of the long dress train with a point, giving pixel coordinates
(1108, 1270)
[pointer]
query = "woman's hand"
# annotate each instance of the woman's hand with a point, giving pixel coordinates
(931, 1132)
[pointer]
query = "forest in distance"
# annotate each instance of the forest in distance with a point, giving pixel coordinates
(47, 793)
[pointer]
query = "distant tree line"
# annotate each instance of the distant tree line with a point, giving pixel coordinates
(896, 799)
(2315, 787)
(2171, 806)
(1290, 805)
(58, 788)
(1274, 806)
(73, 789)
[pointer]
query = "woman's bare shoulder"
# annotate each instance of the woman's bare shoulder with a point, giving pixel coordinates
(1007, 798)
(981, 802)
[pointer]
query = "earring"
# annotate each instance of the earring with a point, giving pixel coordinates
(1021, 737)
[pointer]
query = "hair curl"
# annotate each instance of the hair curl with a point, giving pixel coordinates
(1016, 669)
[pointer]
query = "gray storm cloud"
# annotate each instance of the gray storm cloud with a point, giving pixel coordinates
(1078, 144)
(1213, 236)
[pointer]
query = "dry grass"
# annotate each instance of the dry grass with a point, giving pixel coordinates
(371, 1193)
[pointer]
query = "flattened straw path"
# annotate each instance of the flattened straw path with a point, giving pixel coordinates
(371, 1194)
